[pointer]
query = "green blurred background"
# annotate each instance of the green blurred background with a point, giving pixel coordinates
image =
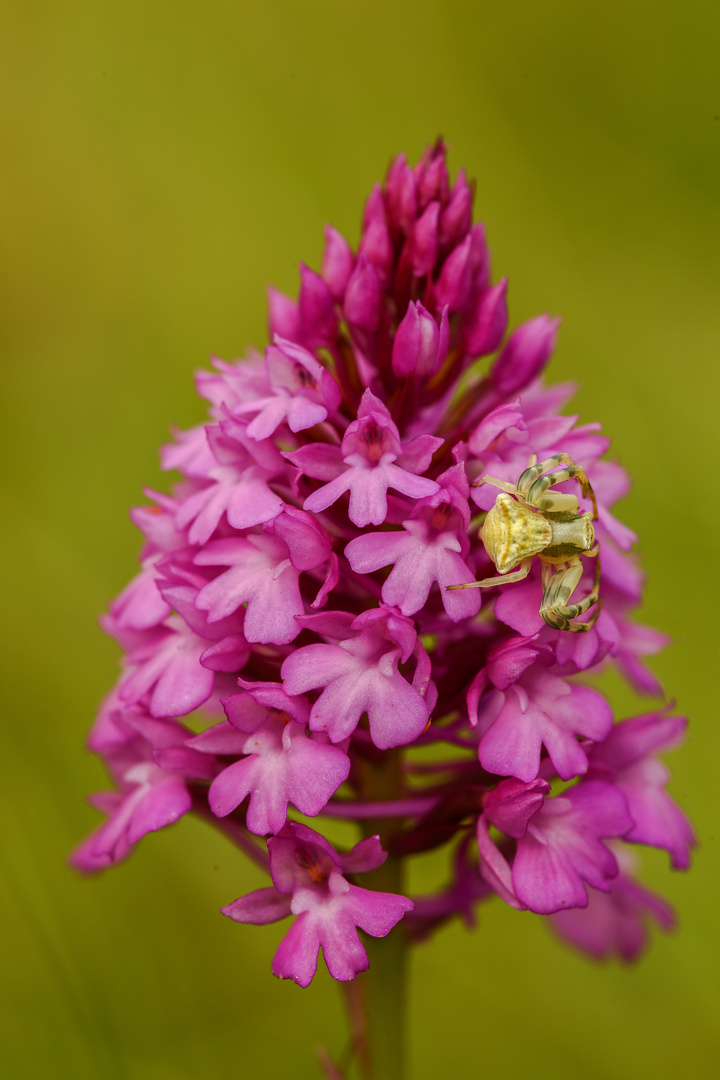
(163, 162)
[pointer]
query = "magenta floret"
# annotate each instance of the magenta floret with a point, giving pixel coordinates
(308, 878)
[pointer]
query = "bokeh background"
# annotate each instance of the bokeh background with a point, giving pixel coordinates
(161, 163)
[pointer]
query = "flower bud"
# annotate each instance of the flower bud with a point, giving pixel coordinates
(375, 243)
(525, 355)
(375, 240)
(401, 195)
(489, 321)
(457, 215)
(425, 240)
(337, 264)
(283, 316)
(453, 284)
(432, 175)
(420, 346)
(362, 296)
(317, 310)
(479, 260)
(374, 207)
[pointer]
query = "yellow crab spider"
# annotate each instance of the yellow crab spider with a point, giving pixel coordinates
(528, 520)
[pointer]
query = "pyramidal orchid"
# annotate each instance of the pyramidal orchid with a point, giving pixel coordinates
(297, 587)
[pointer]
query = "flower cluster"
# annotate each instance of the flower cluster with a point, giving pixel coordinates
(294, 587)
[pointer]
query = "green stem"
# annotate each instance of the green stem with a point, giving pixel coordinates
(377, 1000)
(383, 990)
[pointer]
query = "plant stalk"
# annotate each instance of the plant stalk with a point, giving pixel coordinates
(376, 1001)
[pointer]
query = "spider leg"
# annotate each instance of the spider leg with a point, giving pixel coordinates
(555, 609)
(527, 489)
(501, 579)
(547, 572)
(537, 468)
(559, 502)
(536, 496)
(494, 482)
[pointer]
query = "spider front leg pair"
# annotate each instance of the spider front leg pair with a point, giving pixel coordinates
(528, 520)
(559, 585)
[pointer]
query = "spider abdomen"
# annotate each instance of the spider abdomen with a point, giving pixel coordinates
(569, 537)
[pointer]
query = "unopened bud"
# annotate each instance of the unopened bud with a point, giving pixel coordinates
(362, 296)
(420, 345)
(317, 310)
(489, 321)
(525, 355)
(337, 264)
